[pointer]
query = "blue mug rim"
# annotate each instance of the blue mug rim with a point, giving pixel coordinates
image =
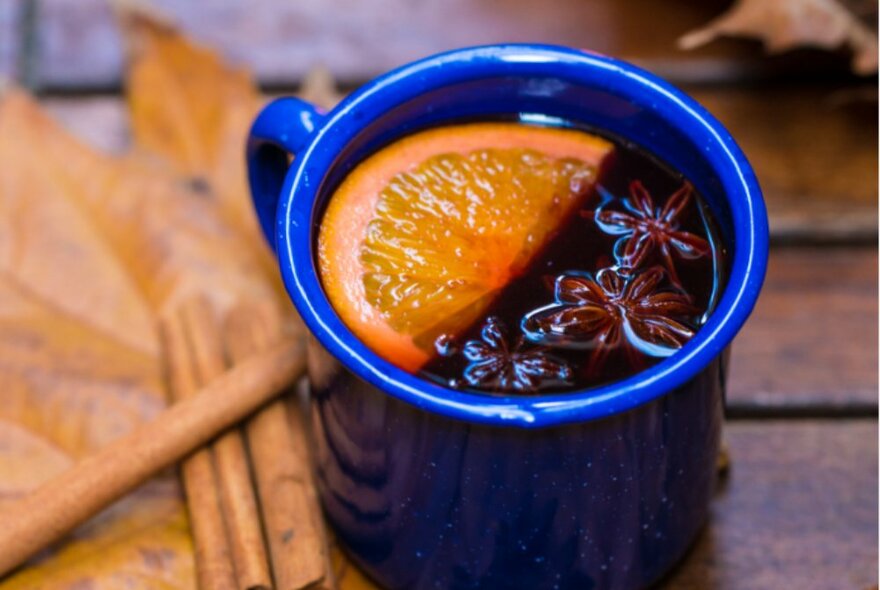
(299, 194)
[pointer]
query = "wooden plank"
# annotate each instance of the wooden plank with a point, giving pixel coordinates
(814, 149)
(357, 40)
(798, 510)
(10, 38)
(812, 340)
(101, 121)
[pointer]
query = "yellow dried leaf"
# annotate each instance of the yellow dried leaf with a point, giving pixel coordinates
(193, 110)
(26, 461)
(93, 248)
(78, 358)
(49, 248)
(783, 25)
(141, 543)
(166, 231)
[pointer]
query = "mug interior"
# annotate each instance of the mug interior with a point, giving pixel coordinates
(539, 85)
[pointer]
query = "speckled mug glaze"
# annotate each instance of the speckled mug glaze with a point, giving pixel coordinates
(427, 487)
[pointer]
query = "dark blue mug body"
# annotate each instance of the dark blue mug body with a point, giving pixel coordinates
(427, 487)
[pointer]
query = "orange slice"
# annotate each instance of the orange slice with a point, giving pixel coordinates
(421, 236)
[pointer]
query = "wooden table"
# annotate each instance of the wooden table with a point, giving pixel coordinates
(799, 506)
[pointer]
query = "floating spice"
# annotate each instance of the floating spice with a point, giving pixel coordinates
(612, 310)
(494, 364)
(650, 232)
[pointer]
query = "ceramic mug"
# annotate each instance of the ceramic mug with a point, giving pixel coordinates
(427, 487)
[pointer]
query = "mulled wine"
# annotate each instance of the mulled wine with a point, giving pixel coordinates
(508, 258)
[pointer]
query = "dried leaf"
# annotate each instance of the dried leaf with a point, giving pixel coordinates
(142, 543)
(26, 460)
(48, 245)
(75, 330)
(78, 359)
(93, 248)
(166, 231)
(137, 543)
(191, 109)
(787, 24)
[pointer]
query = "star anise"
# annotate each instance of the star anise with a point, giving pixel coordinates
(494, 365)
(648, 230)
(613, 310)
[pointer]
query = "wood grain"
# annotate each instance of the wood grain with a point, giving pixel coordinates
(812, 340)
(814, 149)
(799, 510)
(10, 17)
(357, 40)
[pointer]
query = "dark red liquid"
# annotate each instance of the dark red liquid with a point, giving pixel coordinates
(555, 328)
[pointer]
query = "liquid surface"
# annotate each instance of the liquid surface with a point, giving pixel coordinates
(511, 265)
(421, 237)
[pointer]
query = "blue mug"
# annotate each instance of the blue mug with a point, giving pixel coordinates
(427, 487)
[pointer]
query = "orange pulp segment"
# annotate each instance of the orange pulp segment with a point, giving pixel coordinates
(421, 236)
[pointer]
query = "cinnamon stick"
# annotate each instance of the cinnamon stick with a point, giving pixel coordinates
(237, 500)
(64, 502)
(279, 455)
(213, 555)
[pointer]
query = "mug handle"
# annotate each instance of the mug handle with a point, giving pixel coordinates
(279, 131)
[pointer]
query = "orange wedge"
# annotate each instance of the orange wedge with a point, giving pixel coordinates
(421, 236)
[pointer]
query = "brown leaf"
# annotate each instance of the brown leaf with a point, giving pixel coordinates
(141, 543)
(787, 24)
(77, 341)
(78, 357)
(93, 248)
(166, 231)
(191, 109)
(26, 461)
(49, 248)
(34, 335)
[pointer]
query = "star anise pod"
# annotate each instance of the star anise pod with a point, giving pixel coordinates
(494, 365)
(611, 311)
(649, 231)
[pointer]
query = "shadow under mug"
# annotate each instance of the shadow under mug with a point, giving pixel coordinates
(426, 487)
